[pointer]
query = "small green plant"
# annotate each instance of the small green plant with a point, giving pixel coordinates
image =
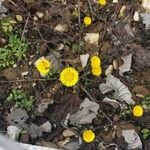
(21, 99)
(78, 48)
(146, 103)
(145, 133)
(14, 51)
(7, 25)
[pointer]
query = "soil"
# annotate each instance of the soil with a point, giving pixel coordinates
(114, 41)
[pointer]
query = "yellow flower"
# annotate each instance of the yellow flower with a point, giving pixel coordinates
(95, 61)
(137, 111)
(102, 2)
(88, 136)
(87, 21)
(69, 77)
(43, 66)
(97, 71)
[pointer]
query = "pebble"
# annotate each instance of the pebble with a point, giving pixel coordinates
(46, 127)
(115, 1)
(60, 46)
(15, 65)
(30, 63)
(34, 84)
(68, 133)
(136, 16)
(13, 131)
(35, 18)
(40, 14)
(25, 73)
(62, 143)
(61, 28)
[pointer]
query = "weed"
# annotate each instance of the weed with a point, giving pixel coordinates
(145, 133)
(146, 103)
(7, 25)
(21, 99)
(78, 48)
(14, 51)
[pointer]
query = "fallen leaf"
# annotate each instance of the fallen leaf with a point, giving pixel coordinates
(114, 103)
(126, 66)
(64, 104)
(129, 30)
(146, 20)
(84, 59)
(132, 138)
(17, 117)
(141, 90)
(86, 113)
(122, 93)
(73, 145)
(35, 131)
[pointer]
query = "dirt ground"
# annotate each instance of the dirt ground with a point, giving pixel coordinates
(119, 36)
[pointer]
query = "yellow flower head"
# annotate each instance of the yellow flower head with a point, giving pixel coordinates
(87, 21)
(137, 111)
(88, 136)
(97, 71)
(102, 2)
(43, 66)
(69, 77)
(95, 61)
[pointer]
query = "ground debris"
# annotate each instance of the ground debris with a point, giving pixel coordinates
(122, 92)
(87, 112)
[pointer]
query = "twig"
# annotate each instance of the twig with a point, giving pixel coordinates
(79, 15)
(12, 2)
(27, 20)
(93, 99)
(88, 94)
(90, 6)
(28, 80)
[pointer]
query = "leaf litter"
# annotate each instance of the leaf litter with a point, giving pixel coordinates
(117, 28)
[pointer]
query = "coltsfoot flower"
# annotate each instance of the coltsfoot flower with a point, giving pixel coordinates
(69, 77)
(96, 66)
(88, 136)
(102, 2)
(137, 111)
(87, 21)
(43, 66)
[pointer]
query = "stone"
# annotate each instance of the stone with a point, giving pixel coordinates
(61, 28)
(13, 131)
(40, 14)
(68, 133)
(46, 127)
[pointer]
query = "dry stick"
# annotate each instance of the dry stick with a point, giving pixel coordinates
(44, 40)
(90, 6)
(27, 20)
(93, 99)
(28, 80)
(39, 31)
(79, 15)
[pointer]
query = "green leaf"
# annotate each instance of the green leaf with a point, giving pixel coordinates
(145, 131)
(10, 97)
(19, 18)
(145, 136)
